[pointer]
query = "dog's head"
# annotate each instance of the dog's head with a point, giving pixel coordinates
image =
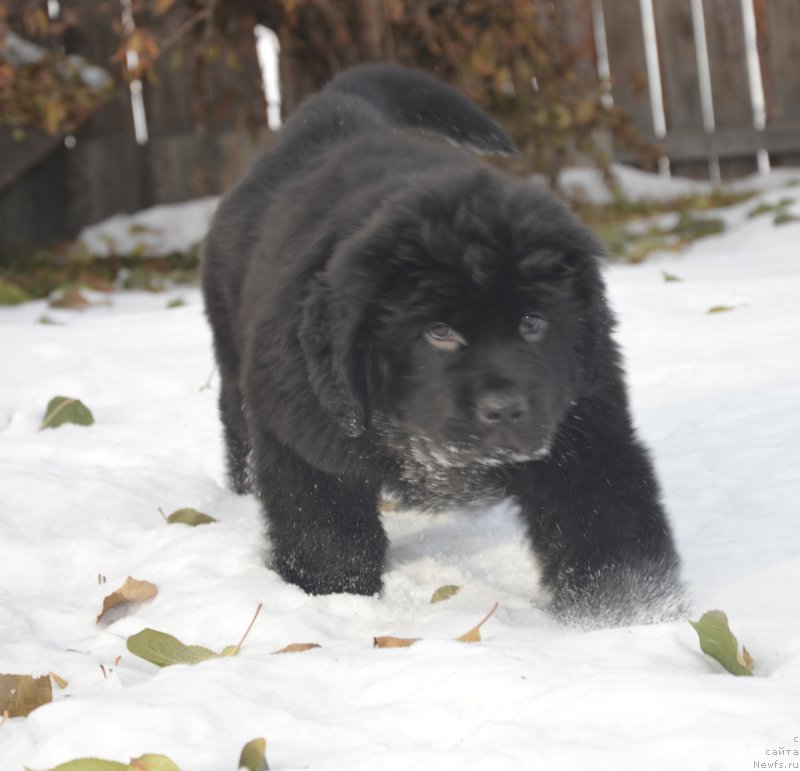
(462, 320)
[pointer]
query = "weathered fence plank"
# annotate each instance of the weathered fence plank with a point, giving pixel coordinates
(730, 90)
(678, 59)
(679, 76)
(778, 24)
(732, 142)
(627, 62)
(19, 157)
(170, 90)
(33, 211)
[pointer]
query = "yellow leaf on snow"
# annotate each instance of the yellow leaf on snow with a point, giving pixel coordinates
(445, 593)
(474, 634)
(254, 756)
(297, 648)
(59, 681)
(394, 642)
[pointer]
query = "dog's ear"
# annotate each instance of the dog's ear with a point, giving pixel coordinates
(337, 358)
(597, 350)
(576, 277)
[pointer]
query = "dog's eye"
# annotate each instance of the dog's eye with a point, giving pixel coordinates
(532, 327)
(440, 331)
(443, 336)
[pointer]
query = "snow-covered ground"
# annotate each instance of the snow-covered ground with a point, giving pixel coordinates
(717, 397)
(159, 230)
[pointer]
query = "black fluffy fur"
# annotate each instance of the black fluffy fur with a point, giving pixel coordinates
(324, 271)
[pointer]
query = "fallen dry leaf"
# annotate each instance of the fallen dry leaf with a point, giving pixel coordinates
(120, 602)
(21, 694)
(59, 681)
(394, 642)
(474, 634)
(297, 648)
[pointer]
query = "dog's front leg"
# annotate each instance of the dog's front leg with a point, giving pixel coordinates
(325, 530)
(597, 525)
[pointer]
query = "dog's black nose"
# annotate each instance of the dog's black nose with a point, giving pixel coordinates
(502, 408)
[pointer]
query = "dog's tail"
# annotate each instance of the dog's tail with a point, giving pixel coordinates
(414, 99)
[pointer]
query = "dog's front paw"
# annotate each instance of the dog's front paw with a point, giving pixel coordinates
(622, 595)
(335, 580)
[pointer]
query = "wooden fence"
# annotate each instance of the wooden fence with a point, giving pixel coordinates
(205, 120)
(51, 191)
(701, 137)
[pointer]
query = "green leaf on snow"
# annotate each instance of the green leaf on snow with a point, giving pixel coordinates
(62, 409)
(90, 764)
(190, 517)
(445, 593)
(152, 763)
(163, 649)
(143, 763)
(717, 640)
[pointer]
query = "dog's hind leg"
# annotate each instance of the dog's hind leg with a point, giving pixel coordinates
(236, 439)
(325, 529)
(218, 309)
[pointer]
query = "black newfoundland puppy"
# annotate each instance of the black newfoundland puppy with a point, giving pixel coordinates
(392, 317)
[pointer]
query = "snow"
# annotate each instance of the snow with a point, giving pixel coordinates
(717, 397)
(155, 232)
(640, 185)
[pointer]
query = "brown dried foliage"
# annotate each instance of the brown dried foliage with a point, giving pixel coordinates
(530, 63)
(527, 62)
(49, 94)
